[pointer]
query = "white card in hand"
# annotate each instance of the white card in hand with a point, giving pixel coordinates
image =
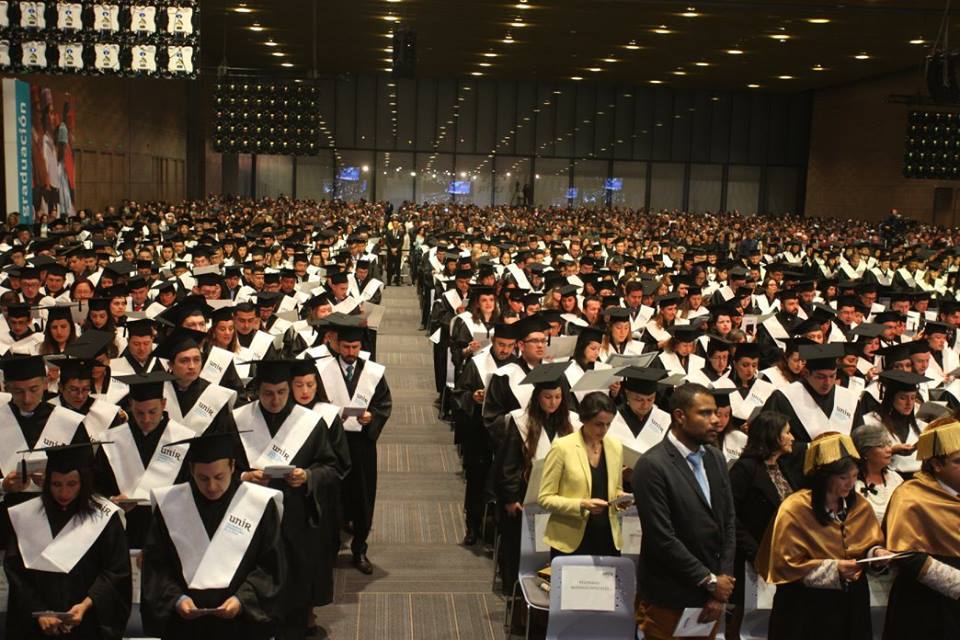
(689, 625)
(278, 471)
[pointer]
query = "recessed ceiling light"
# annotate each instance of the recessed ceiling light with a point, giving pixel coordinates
(523, 5)
(701, 64)
(576, 77)
(679, 72)
(485, 64)
(242, 9)
(609, 60)
(691, 12)
(595, 69)
(392, 18)
(818, 20)
(656, 82)
(278, 54)
(862, 56)
(819, 67)
(286, 64)
(735, 52)
(393, 1)
(508, 39)
(256, 27)
(269, 43)
(918, 41)
(490, 54)
(782, 37)
(784, 77)
(517, 23)
(476, 73)
(662, 30)
(753, 85)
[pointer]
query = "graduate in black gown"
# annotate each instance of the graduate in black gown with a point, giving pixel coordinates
(278, 431)
(130, 454)
(228, 596)
(90, 580)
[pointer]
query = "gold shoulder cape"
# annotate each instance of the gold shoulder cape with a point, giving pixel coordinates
(923, 516)
(796, 542)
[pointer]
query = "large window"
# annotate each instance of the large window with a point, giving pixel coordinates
(706, 187)
(394, 182)
(629, 184)
(666, 186)
(434, 177)
(513, 174)
(743, 189)
(552, 183)
(355, 175)
(315, 176)
(590, 182)
(473, 180)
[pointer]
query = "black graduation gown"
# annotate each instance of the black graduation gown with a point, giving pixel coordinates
(460, 339)
(441, 316)
(186, 398)
(138, 518)
(103, 574)
(498, 402)
(779, 402)
(139, 368)
(359, 488)
(302, 514)
(257, 582)
(230, 379)
(917, 611)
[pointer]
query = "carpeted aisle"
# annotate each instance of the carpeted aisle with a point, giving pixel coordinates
(425, 585)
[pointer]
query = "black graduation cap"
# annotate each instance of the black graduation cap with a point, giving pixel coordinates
(932, 328)
(746, 350)
(146, 387)
(896, 380)
(18, 310)
(516, 294)
(272, 370)
(685, 332)
(588, 335)
(210, 447)
(547, 375)
(531, 324)
(617, 314)
(918, 346)
(895, 353)
(868, 330)
(74, 368)
(180, 339)
(642, 379)
(505, 331)
(191, 305)
(821, 356)
(888, 316)
(303, 367)
(121, 268)
(17, 368)
(722, 396)
(67, 457)
(58, 312)
(668, 299)
(787, 294)
(139, 327)
(805, 326)
(339, 277)
(89, 344)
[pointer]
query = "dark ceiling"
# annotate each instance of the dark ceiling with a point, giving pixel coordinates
(785, 46)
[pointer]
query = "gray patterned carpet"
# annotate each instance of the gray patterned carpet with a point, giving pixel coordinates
(425, 586)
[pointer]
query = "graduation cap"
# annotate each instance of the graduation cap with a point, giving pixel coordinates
(918, 346)
(617, 314)
(65, 458)
(868, 330)
(273, 370)
(787, 294)
(642, 380)
(18, 310)
(303, 367)
(146, 387)
(821, 356)
(191, 305)
(210, 447)
(588, 335)
(722, 395)
(531, 324)
(505, 331)
(121, 268)
(940, 438)
(805, 326)
(668, 299)
(547, 376)
(139, 326)
(74, 368)
(827, 449)
(59, 311)
(894, 353)
(179, 340)
(18, 368)
(888, 316)
(90, 344)
(746, 350)
(684, 332)
(897, 380)
(933, 328)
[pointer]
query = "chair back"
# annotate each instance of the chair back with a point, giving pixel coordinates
(570, 623)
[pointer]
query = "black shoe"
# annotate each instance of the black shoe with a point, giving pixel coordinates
(470, 539)
(362, 564)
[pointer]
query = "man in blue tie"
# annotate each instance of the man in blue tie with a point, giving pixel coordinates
(686, 512)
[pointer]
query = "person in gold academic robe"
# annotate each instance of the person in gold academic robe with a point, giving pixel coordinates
(924, 516)
(811, 549)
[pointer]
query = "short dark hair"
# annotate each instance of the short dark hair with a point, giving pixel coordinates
(764, 435)
(594, 404)
(683, 396)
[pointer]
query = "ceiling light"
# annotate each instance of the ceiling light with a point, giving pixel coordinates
(576, 77)
(702, 64)
(679, 72)
(269, 43)
(476, 73)
(485, 64)
(662, 30)
(242, 9)
(691, 12)
(413, 174)
(735, 52)
(784, 77)
(595, 69)
(753, 85)
(862, 56)
(286, 64)
(256, 27)
(393, 1)
(782, 37)
(656, 82)
(278, 54)
(391, 18)
(918, 41)
(517, 23)
(819, 67)
(508, 39)
(818, 20)
(490, 54)
(611, 60)
(523, 5)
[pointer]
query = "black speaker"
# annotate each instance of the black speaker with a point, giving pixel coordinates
(404, 53)
(941, 76)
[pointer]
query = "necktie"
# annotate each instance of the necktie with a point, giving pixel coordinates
(349, 372)
(696, 459)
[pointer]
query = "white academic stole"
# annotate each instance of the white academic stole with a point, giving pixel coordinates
(41, 551)
(775, 328)
(135, 481)
(485, 365)
(322, 351)
(99, 417)
(653, 430)
(370, 289)
(116, 392)
(811, 415)
(280, 327)
(264, 450)
(60, 428)
(759, 392)
(671, 362)
(520, 420)
(328, 412)
(259, 345)
(515, 375)
(336, 388)
(453, 299)
(218, 361)
(210, 563)
(201, 414)
(656, 332)
(907, 276)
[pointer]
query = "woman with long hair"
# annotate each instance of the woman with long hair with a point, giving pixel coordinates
(811, 550)
(59, 331)
(789, 366)
(90, 581)
(476, 322)
(618, 338)
(529, 435)
(896, 414)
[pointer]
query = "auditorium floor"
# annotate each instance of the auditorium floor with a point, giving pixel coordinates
(425, 585)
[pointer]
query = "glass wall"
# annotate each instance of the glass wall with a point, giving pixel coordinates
(315, 176)
(629, 184)
(473, 182)
(394, 182)
(706, 187)
(743, 189)
(434, 177)
(355, 176)
(552, 183)
(512, 175)
(590, 181)
(666, 188)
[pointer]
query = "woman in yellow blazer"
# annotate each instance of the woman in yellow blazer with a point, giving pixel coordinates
(581, 476)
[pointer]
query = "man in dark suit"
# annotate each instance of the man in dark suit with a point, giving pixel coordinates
(686, 512)
(394, 250)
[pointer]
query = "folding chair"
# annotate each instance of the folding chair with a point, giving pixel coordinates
(531, 561)
(574, 624)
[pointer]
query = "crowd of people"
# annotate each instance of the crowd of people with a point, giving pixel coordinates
(192, 399)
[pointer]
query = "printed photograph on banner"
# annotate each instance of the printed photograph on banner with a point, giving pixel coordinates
(54, 132)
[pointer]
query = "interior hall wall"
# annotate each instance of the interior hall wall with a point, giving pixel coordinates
(855, 167)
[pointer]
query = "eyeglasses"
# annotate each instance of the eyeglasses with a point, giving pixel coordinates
(536, 341)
